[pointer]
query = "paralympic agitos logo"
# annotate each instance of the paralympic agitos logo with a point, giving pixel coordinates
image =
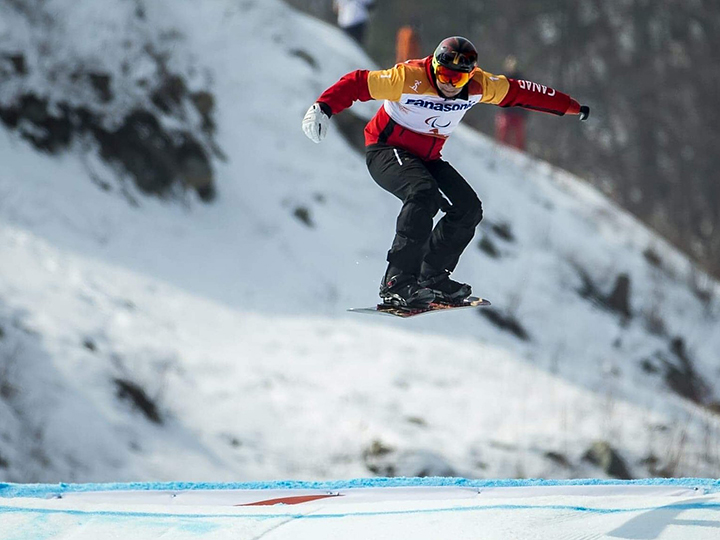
(443, 107)
(433, 122)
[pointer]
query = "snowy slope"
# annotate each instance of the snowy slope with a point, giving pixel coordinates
(231, 316)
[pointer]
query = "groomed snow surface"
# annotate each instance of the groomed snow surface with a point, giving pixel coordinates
(379, 508)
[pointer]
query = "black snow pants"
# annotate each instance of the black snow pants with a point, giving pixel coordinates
(418, 184)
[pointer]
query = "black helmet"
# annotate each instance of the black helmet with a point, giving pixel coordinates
(456, 53)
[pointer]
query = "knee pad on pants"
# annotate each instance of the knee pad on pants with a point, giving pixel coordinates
(469, 215)
(428, 199)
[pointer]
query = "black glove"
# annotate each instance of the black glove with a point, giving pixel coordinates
(584, 112)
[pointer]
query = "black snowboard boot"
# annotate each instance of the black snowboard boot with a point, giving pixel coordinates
(402, 290)
(446, 290)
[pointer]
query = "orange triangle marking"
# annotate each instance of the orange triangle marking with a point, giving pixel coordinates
(290, 500)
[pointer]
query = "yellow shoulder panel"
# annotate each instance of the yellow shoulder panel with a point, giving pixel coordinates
(387, 83)
(494, 87)
(405, 78)
(416, 79)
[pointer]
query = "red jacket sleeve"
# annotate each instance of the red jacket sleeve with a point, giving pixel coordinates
(350, 88)
(530, 95)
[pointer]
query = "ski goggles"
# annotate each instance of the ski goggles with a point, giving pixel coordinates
(450, 76)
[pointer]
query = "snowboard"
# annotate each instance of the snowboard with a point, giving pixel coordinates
(395, 311)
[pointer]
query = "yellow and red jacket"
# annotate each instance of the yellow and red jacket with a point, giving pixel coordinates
(417, 118)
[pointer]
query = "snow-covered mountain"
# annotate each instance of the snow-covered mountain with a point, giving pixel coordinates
(186, 337)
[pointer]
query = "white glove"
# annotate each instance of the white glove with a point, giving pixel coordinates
(316, 123)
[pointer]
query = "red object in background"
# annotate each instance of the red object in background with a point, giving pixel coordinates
(407, 44)
(510, 129)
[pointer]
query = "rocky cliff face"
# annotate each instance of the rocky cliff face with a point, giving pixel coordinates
(146, 112)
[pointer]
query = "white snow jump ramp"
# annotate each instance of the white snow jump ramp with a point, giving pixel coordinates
(435, 508)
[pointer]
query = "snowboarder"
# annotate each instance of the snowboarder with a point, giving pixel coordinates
(424, 100)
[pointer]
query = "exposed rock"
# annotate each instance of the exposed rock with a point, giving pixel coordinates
(153, 156)
(651, 461)
(506, 322)
(619, 298)
(682, 378)
(170, 94)
(143, 148)
(204, 102)
(303, 214)
(649, 367)
(503, 231)
(588, 289)
(306, 57)
(385, 461)
(713, 407)
(374, 454)
(194, 167)
(607, 458)
(17, 63)
(136, 395)
(133, 133)
(31, 117)
(101, 84)
(488, 247)
(654, 322)
(7, 389)
(652, 257)
(558, 458)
